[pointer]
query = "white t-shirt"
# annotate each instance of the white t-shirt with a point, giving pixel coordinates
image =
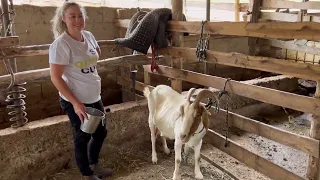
(80, 58)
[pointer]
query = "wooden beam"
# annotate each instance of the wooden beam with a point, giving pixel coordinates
(41, 73)
(303, 143)
(313, 171)
(279, 98)
(290, 46)
(237, 10)
(221, 6)
(287, 17)
(285, 30)
(208, 7)
(37, 50)
(299, 142)
(177, 15)
(127, 82)
(138, 59)
(290, 4)
(287, 26)
(254, 19)
(278, 16)
(9, 41)
(204, 157)
(300, 70)
(252, 160)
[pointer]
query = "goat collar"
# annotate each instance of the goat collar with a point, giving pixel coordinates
(199, 131)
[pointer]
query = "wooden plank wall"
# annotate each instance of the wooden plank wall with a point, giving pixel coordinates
(294, 50)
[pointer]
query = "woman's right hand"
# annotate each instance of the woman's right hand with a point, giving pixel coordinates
(80, 110)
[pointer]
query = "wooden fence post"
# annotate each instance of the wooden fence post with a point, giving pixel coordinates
(314, 163)
(177, 15)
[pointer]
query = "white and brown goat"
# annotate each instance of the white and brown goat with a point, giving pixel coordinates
(176, 118)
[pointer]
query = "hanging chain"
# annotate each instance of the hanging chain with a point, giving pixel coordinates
(202, 45)
(217, 108)
(227, 110)
(10, 29)
(227, 121)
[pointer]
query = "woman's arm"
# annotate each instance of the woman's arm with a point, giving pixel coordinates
(56, 71)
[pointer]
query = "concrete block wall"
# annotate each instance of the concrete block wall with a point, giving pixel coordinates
(32, 24)
(45, 147)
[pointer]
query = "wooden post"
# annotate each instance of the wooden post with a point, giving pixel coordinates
(237, 10)
(205, 65)
(208, 10)
(124, 71)
(304, 11)
(254, 19)
(177, 15)
(313, 171)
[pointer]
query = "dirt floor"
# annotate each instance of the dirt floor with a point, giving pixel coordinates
(134, 163)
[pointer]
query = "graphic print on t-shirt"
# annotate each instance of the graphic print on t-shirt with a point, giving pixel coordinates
(89, 65)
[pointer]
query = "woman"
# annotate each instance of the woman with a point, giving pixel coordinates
(73, 57)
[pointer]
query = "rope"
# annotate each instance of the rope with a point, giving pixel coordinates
(155, 58)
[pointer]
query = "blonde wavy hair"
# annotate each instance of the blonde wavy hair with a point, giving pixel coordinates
(58, 26)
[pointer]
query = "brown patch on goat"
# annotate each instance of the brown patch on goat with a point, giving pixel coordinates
(156, 132)
(205, 118)
(196, 122)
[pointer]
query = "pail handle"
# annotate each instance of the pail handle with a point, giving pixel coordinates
(104, 116)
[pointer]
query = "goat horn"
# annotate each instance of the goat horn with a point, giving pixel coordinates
(203, 94)
(190, 92)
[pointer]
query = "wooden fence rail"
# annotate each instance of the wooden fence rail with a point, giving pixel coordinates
(299, 142)
(243, 7)
(302, 143)
(290, 46)
(293, 30)
(280, 66)
(45, 72)
(290, 4)
(38, 50)
(280, 98)
(287, 17)
(252, 160)
(295, 69)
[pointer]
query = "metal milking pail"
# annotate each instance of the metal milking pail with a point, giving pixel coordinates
(95, 116)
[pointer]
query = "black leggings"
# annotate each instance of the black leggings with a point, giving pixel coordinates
(81, 139)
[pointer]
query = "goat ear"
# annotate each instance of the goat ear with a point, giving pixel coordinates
(205, 118)
(181, 110)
